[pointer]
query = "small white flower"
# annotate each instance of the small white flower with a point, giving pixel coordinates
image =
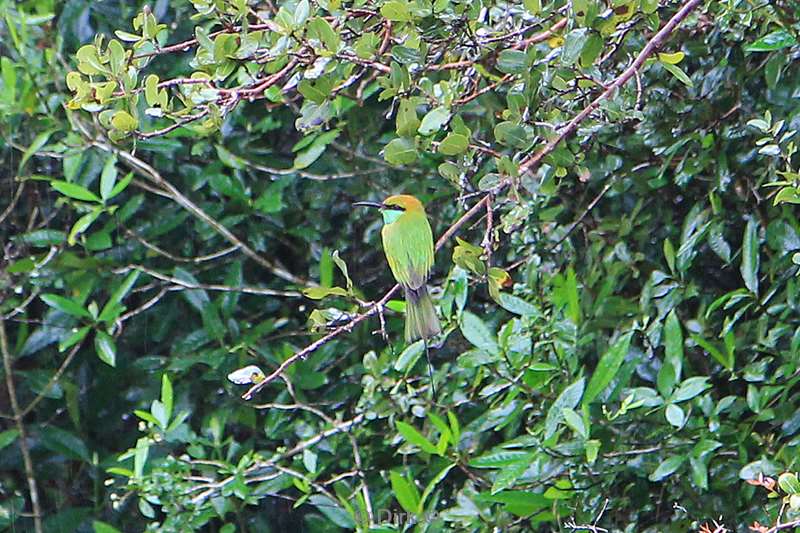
(247, 375)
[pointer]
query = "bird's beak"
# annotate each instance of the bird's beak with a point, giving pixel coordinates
(369, 204)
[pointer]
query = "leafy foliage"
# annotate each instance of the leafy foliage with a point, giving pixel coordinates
(620, 306)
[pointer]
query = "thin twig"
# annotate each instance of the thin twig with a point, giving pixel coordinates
(195, 260)
(23, 433)
(271, 463)
(54, 379)
(14, 201)
(178, 197)
(209, 287)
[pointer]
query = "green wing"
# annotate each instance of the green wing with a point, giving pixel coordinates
(408, 243)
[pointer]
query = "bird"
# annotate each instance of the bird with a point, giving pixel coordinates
(408, 245)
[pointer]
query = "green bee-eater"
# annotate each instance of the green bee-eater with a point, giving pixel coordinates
(408, 244)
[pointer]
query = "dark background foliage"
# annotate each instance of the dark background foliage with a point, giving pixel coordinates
(637, 367)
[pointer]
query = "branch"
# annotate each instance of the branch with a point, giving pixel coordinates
(13, 202)
(344, 426)
(153, 175)
(209, 287)
(347, 328)
(178, 259)
(23, 434)
(532, 162)
(53, 380)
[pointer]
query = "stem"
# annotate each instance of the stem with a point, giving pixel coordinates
(23, 434)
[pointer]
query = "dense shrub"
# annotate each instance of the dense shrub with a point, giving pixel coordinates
(613, 184)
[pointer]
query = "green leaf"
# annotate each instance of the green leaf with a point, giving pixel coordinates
(519, 502)
(512, 61)
(787, 481)
(568, 398)
(433, 120)
(102, 527)
(671, 59)
(511, 134)
(342, 266)
(271, 200)
(574, 42)
(120, 185)
(212, 322)
(667, 467)
(533, 6)
(140, 456)
(108, 178)
(406, 492)
(416, 438)
(511, 473)
(65, 305)
(73, 339)
(575, 422)
(498, 458)
(673, 343)
(42, 238)
(159, 413)
(65, 443)
(124, 121)
(332, 510)
(774, 41)
(676, 71)
(476, 332)
(454, 144)
(406, 119)
(319, 28)
(750, 256)
(73, 190)
(166, 395)
(308, 156)
(607, 368)
(723, 359)
(591, 50)
(517, 305)
(125, 287)
(105, 348)
(675, 415)
(438, 478)
(38, 142)
(397, 11)
(81, 225)
(318, 293)
(7, 437)
(409, 356)
(690, 388)
(400, 151)
(9, 75)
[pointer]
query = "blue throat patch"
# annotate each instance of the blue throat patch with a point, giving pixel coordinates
(390, 215)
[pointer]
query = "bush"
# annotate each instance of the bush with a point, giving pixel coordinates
(611, 185)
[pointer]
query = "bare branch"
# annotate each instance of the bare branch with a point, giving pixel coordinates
(23, 433)
(210, 287)
(153, 175)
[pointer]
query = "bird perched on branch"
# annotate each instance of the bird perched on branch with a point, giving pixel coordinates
(408, 245)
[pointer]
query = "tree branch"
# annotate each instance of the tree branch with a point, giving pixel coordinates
(532, 162)
(23, 434)
(153, 175)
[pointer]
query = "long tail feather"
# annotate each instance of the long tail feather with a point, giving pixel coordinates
(430, 371)
(421, 319)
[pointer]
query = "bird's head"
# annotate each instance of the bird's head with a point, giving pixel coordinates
(394, 206)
